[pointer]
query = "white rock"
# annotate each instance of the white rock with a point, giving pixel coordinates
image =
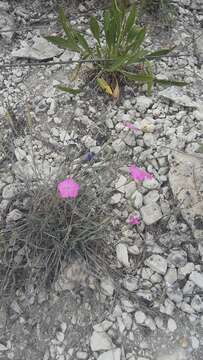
(11, 190)
(197, 278)
(60, 336)
(171, 276)
(118, 145)
(195, 342)
(172, 325)
(185, 270)
(103, 326)
(41, 50)
(131, 284)
(129, 189)
(140, 317)
(119, 185)
(107, 286)
(82, 355)
(3, 347)
(148, 139)
(114, 354)
(151, 184)
(128, 306)
(14, 215)
(177, 95)
(151, 213)
(101, 341)
(197, 303)
(127, 319)
(122, 254)
(157, 263)
(137, 199)
(151, 196)
(116, 198)
(143, 103)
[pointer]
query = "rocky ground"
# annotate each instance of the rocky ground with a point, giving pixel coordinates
(153, 307)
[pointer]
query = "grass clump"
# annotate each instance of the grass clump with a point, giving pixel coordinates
(116, 50)
(51, 231)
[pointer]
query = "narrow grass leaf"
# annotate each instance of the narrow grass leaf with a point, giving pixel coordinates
(63, 43)
(159, 53)
(95, 29)
(130, 20)
(68, 89)
(170, 82)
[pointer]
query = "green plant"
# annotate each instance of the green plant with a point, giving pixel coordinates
(118, 50)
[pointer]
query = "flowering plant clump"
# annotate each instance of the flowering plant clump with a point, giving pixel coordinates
(68, 188)
(140, 174)
(134, 220)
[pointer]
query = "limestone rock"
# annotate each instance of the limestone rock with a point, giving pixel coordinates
(151, 213)
(101, 341)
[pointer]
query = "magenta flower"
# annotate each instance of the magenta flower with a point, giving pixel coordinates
(134, 220)
(68, 188)
(131, 126)
(139, 174)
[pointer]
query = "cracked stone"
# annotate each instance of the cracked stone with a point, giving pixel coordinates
(101, 341)
(151, 213)
(157, 263)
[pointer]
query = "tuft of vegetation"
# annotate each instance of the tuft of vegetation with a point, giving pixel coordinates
(117, 50)
(50, 231)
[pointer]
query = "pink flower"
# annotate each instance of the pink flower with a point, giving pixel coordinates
(131, 126)
(139, 174)
(134, 220)
(68, 188)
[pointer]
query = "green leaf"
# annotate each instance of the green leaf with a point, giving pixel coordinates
(117, 64)
(95, 29)
(138, 40)
(170, 82)
(82, 41)
(64, 22)
(68, 89)
(107, 19)
(141, 77)
(159, 53)
(130, 20)
(63, 43)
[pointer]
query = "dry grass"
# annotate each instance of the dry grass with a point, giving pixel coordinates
(50, 232)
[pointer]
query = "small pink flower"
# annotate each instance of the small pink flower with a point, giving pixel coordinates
(139, 174)
(131, 126)
(134, 220)
(68, 188)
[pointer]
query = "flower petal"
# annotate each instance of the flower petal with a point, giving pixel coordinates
(68, 188)
(139, 174)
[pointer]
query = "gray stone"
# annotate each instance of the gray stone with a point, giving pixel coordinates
(143, 103)
(101, 341)
(72, 276)
(11, 190)
(40, 50)
(151, 196)
(129, 189)
(185, 270)
(157, 263)
(107, 286)
(82, 355)
(130, 140)
(151, 213)
(148, 139)
(140, 317)
(171, 276)
(171, 325)
(174, 293)
(137, 199)
(177, 354)
(151, 184)
(177, 257)
(114, 354)
(122, 254)
(3, 317)
(3, 347)
(198, 45)
(197, 304)
(177, 95)
(14, 215)
(131, 284)
(6, 23)
(103, 326)
(185, 178)
(197, 278)
(116, 198)
(118, 145)
(188, 288)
